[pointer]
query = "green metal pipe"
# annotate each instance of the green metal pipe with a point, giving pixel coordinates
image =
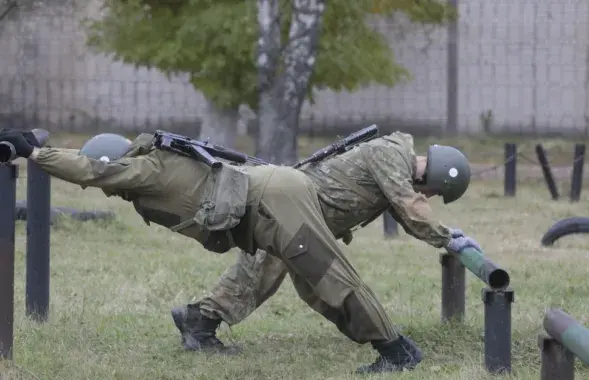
(483, 268)
(568, 332)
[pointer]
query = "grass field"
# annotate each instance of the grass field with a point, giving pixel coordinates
(113, 284)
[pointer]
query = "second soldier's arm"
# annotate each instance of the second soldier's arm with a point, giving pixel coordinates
(394, 177)
(138, 174)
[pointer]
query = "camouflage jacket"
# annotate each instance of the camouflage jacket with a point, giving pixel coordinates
(363, 182)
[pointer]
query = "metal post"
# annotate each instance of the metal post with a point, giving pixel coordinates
(391, 228)
(38, 239)
(510, 169)
(569, 332)
(548, 177)
(452, 74)
(558, 363)
(8, 175)
(497, 330)
(453, 288)
(577, 179)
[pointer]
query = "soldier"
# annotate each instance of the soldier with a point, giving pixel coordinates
(349, 187)
(282, 211)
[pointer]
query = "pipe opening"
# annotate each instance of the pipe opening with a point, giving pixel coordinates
(499, 279)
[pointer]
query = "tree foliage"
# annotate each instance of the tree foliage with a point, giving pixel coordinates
(215, 42)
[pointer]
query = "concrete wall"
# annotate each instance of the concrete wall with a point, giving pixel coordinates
(524, 61)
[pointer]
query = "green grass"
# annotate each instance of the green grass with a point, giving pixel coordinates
(112, 285)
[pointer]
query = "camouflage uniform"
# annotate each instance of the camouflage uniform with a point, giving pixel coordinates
(285, 216)
(352, 188)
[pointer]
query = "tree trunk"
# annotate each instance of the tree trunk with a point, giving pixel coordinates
(277, 132)
(281, 98)
(219, 126)
(267, 63)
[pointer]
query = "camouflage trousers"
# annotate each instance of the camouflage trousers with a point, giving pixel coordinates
(244, 287)
(292, 230)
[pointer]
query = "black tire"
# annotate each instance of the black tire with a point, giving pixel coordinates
(56, 212)
(83, 215)
(565, 227)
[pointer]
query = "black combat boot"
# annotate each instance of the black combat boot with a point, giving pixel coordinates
(199, 332)
(395, 356)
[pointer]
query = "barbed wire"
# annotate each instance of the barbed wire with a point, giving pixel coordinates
(523, 155)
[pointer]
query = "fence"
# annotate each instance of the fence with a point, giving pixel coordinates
(513, 66)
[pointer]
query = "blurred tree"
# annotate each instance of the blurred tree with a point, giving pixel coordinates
(218, 44)
(285, 65)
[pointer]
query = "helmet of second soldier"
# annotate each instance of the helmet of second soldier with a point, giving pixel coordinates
(105, 147)
(447, 172)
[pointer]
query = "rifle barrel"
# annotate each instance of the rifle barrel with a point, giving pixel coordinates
(340, 145)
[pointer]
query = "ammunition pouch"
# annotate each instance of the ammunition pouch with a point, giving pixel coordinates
(224, 199)
(223, 205)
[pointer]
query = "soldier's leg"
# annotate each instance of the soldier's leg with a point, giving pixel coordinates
(308, 294)
(242, 288)
(291, 226)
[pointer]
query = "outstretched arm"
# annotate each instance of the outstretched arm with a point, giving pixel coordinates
(394, 176)
(138, 174)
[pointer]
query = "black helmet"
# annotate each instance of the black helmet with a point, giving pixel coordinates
(106, 147)
(447, 172)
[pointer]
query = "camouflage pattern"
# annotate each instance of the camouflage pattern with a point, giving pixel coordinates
(244, 287)
(351, 187)
(368, 179)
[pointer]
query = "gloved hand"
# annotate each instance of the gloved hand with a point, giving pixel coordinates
(21, 144)
(462, 242)
(29, 136)
(456, 232)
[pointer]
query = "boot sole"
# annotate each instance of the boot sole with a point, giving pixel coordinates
(178, 317)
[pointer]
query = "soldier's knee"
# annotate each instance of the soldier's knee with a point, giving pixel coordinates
(309, 255)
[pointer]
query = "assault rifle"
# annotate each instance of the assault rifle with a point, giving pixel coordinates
(201, 151)
(208, 153)
(341, 146)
